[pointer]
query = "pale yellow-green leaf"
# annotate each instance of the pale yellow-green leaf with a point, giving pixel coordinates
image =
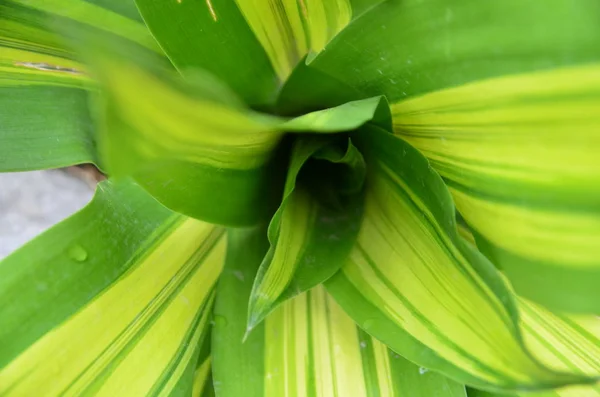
(289, 29)
(519, 153)
(127, 337)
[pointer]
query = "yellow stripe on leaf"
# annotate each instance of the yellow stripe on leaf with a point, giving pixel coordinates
(41, 74)
(97, 17)
(189, 142)
(423, 283)
(314, 349)
(336, 348)
(187, 136)
(520, 155)
(538, 128)
(564, 342)
(551, 236)
(298, 259)
(22, 67)
(385, 380)
(575, 391)
(126, 339)
(201, 377)
(308, 346)
(32, 50)
(297, 219)
(289, 29)
(167, 122)
(202, 373)
(415, 284)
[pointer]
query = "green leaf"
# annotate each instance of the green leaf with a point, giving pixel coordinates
(238, 368)
(405, 48)
(413, 283)
(202, 380)
(565, 342)
(575, 391)
(315, 226)
(493, 101)
(410, 380)
(202, 385)
(214, 36)
(359, 7)
(32, 52)
(306, 347)
(268, 37)
(519, 155)
(288, 30)
(44, 120)
(115, 18)
(312, 330)
(324, 91)
(345, 117)
(190, 143)
(114, 300)
(188, 136)
(481, 393)
(44, 127)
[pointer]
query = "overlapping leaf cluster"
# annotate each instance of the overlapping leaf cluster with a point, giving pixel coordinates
(285, 179)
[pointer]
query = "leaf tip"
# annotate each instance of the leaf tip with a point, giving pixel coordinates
(249, 329)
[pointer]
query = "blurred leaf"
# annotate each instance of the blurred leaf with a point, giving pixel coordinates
(118, 19)
(213, 36)
(413, 283)
(188, 136)
(32, 52)
(44, 119)
(268, 37)
(114, 300)
(181, 138)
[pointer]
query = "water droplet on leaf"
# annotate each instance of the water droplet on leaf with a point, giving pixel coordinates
(77, 253)
(368, 324)
(239, 275)
(220, 321)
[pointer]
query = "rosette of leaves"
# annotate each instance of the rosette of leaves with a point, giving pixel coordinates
(306, 198)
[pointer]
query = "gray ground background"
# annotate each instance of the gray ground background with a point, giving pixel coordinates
(31, 202)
